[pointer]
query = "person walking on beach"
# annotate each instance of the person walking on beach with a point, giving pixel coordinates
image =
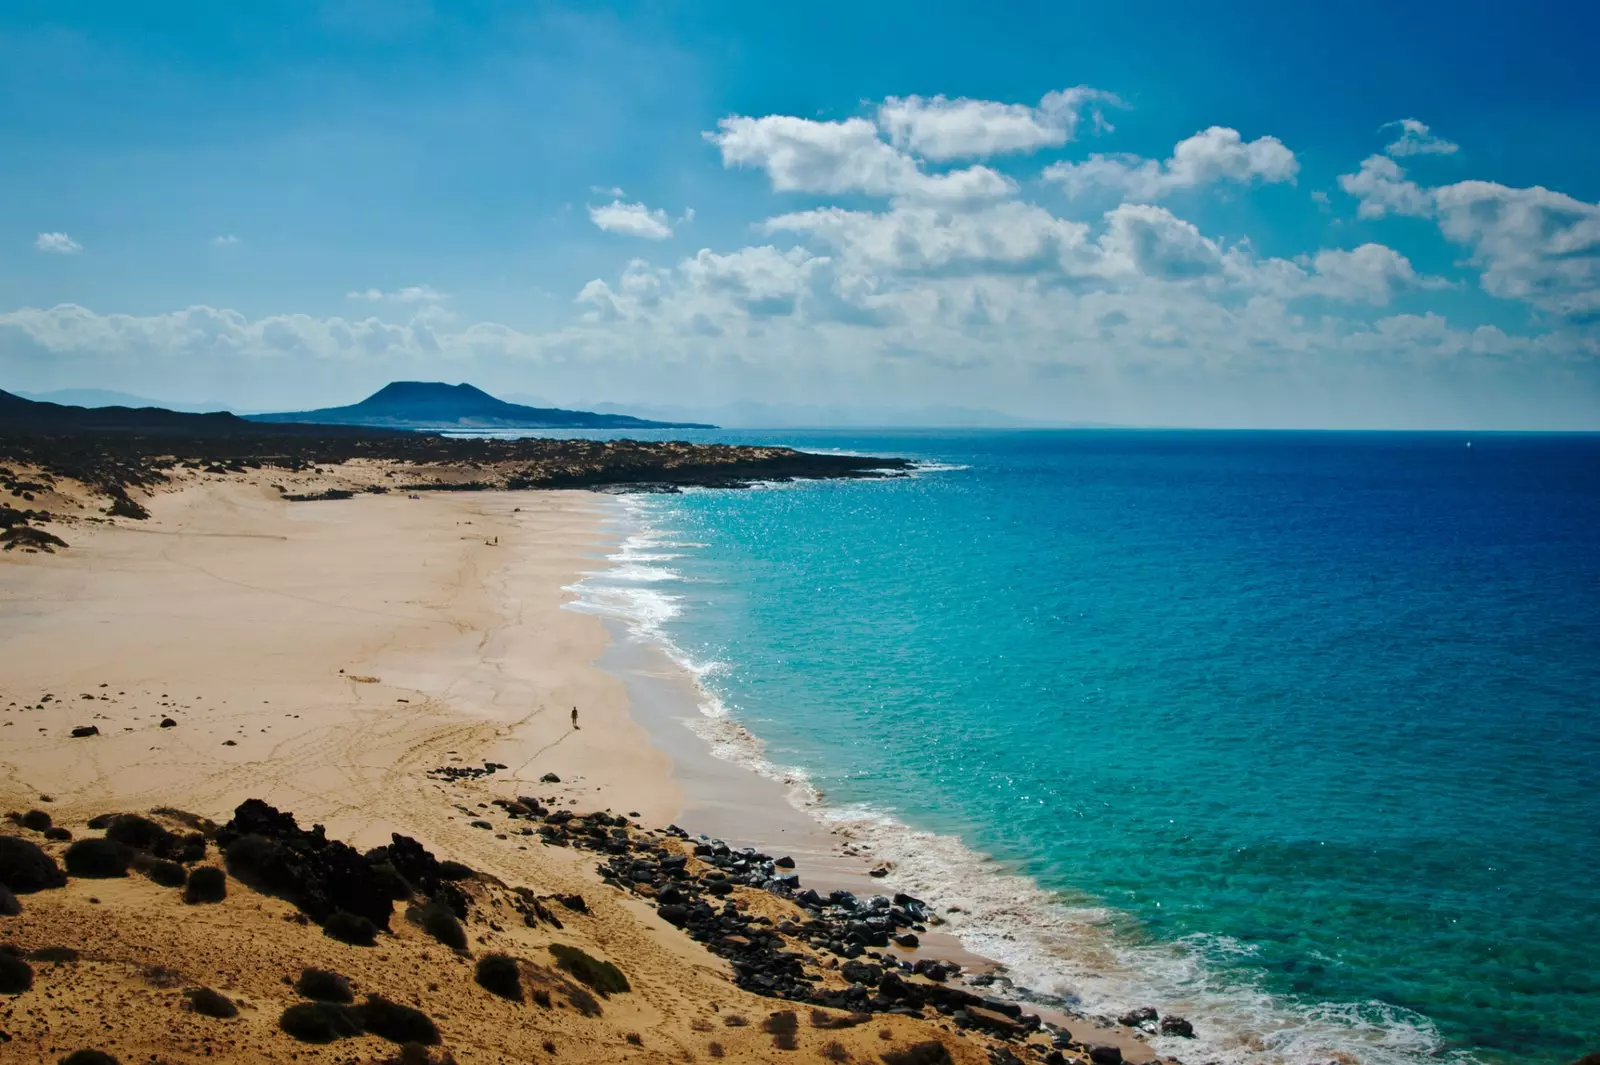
(574, 717)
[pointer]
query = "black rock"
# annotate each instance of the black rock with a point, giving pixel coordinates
(267, 850)
(859, 972)
(1177, 1026)
(549, 778)
(908, 940)
(1105, 1055)
(1139, 1018)
(167, 722)
(85, 730)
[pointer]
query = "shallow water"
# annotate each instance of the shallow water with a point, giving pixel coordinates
(1293, 733)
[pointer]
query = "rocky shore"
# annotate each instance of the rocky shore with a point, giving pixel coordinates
(781, 942)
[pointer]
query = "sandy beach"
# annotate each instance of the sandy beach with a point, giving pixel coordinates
(331, 658)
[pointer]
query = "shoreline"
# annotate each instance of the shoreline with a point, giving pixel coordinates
(727, 801)
(376, 665)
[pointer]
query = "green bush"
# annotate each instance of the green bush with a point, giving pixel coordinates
(600, 975)
(206, 884)
(97, 859)
(351, 928)
(497, 974)
(397, 1023)
(324, 986)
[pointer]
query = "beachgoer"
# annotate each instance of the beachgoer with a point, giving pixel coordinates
(574, 717)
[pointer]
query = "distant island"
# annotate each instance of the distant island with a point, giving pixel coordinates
(435, 405)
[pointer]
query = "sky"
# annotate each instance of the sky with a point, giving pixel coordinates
(1362, 215)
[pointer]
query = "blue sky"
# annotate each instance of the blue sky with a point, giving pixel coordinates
(1148, 214)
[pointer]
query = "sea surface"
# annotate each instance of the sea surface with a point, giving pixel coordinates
(1295, 734)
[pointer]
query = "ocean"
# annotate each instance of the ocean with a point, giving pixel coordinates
(1294, 734)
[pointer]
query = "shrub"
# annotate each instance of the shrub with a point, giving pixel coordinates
(389, 880)
(715, 1050)
(932, 1052)
(733, 1020)
(352, 929)
(99, 821)
(89, 1057)
(262, 864)
(783, 1022)
(189, 849)
(320, 1022)
(397, 1023)
(16, 975)
(497, 974)
(582, 1001)
(211, 1004)
(439, 923)
(140, 833)
(54, 954)
(57, 834)
(9, 906)
(206, 884)
(97, 859)
(449, 870)
(836, 1052)
(37, 820)
(600, 975)
(25, 867)
(167, 874)
(324, 986)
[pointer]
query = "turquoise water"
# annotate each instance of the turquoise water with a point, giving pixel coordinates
(1293, 733)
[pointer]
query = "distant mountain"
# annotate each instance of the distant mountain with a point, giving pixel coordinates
(433, 405)
(105, 397)
(32, 416)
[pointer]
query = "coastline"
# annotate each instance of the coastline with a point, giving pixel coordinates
(375, 665)
(730, 793)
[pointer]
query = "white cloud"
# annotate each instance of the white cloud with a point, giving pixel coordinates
(941, 129)
(58, 243)
(1212, 155)
(409, 294)
(1371, 273)
(801, 155)
(225, 241)
(1533, 244)
(1154, 242)
(1416, 139)
(632, 220)
(1382, 187)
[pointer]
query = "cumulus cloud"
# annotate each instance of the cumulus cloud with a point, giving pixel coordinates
(227, 240)
(409, 294)
(632, 220)
(1417, 139)
(59, 243)
(1533, 244)
(1210, 156)
(1381, 187)
(802, 155)
(940, 129)
(1371, 273)
(1152, 241)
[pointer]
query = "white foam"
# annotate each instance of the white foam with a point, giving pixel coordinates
(1056, 948)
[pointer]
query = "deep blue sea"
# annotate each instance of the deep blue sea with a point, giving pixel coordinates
(1297, 734)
